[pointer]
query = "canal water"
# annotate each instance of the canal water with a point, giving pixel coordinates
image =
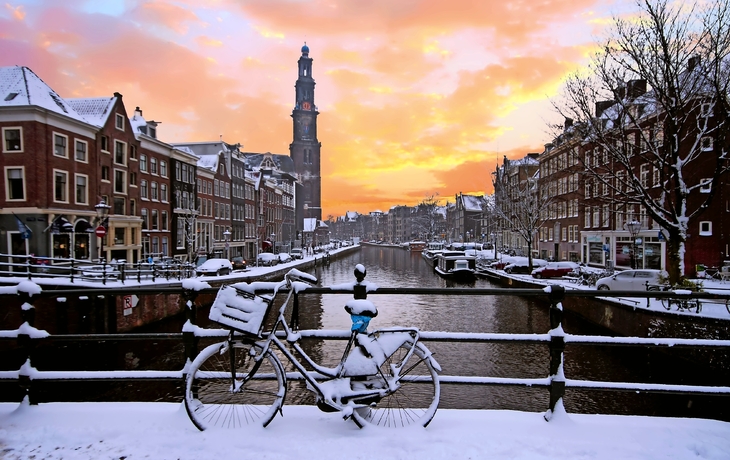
(394, 267)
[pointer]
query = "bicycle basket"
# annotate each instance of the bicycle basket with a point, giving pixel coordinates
(238, 309)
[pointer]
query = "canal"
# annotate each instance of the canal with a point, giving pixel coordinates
(393, 267)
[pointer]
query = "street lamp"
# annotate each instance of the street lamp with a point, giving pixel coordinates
(227, 234)
(273, 243)
(102, 211)
(633, 227)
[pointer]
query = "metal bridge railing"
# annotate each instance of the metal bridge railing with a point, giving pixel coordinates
(26, 337)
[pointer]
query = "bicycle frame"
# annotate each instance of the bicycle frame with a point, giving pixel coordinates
(324, 380)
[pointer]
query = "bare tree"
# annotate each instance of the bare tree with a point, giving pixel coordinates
(654, 108)
(425, 222)
(522, 209)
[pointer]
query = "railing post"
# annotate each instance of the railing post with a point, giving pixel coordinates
(27, 344)
(557, 347)
(190, 340)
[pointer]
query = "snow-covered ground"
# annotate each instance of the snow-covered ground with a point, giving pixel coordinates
(161, 431)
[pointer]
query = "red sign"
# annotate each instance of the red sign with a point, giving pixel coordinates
(100, 231)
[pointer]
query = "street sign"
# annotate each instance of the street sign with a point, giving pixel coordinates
(100, 231)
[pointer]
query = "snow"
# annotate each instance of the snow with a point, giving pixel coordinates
(161, 431)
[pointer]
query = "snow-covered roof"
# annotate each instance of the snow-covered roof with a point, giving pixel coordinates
(208, 162)
(20, 86)
(95, 110)
(283, 163)
(472, 203)
(351, 216)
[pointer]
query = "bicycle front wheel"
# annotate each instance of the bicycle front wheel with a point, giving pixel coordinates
(417, 399)
(227, 388)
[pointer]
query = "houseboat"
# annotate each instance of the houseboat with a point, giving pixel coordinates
(416, 246)
(456, 266)
(431, 252)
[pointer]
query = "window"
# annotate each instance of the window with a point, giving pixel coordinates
(644, 175)
(706, 143)
(81, 149)
(15, 184)
(132, 152)
(118, 206)
(120, 181)
(706, 228)
(105, 144)
(60, 186)
(105, 173)
(143, 189)
(656, 177)
(163, 193)
(119, 122)
(587, 218)
(132, 207)
(705, 185)
(155, 220)
(163, 220)
(706, 110)
(153, 165)
(133, 179)
(163, 168)
(120, 153)
(12, 139)
(143, 163)
(82, 193)
(153, 191)
(60, 145)
(145, 219)
(119, 233)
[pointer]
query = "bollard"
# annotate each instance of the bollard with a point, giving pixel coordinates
(557, 347)
(190, 341)
(27, 344)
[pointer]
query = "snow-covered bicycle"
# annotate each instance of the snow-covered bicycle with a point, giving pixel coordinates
(385, 378)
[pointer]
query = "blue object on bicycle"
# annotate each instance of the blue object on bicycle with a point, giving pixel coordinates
(360, 323)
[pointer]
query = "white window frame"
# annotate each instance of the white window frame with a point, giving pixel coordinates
(86, 189)
(143, 190)
(163, 168)
(709, 140)
(124, 152)
(705, 185)
(7, 184)
(65, 173)
(119, 121)
(122, 181)
(65, 147)
(708, 231)
(143, 165)
(5, 144)
(78, 142)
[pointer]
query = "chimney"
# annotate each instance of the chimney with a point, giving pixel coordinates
(601, 107)
(568, 123)
(137, 111)
(635, 88)
(693, 62)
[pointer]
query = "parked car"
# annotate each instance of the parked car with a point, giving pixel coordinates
(238, 263)
(284, 257)
(214, 267)
(296, 253)
(629, 280)
(555, 269)
(520, 265)
(267, 258)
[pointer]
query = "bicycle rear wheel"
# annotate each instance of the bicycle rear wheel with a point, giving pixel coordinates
(215, 399)
(417, 399)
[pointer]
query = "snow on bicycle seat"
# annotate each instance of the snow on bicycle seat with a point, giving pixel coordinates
(238, 307)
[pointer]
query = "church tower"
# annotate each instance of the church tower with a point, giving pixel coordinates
(305, 149)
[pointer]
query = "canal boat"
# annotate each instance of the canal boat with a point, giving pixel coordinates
(431, 252)
(416, 246)
(456, 266)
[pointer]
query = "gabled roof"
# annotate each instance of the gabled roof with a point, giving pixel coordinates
(20, 86)
(472, 203)
(95, 110)
(310, 224)
(283, 163)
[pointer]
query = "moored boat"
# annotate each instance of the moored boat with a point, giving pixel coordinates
(431, 252)
(416, 246)
(456, 266)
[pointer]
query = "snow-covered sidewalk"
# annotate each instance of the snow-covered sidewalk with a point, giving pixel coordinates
(161, 431)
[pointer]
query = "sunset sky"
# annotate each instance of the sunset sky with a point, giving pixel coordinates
(416, 97)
